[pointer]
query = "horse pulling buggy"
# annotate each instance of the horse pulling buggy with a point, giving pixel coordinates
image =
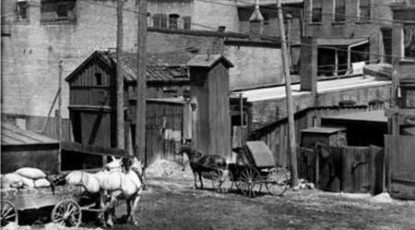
(252, 170)
(68, 202)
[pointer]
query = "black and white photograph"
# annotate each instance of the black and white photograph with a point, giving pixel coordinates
(207, 114)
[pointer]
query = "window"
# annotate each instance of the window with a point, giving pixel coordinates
(317, 9)
(187, 21)
(98, 78)
(173, 21)
(21, 9)
(340, 11)
(57, 10)
(160, 20)
(364, 8)
(409, 41)
(266, 18)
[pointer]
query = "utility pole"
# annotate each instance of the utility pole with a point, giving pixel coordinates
(120, 78)
(60, 114)
(290, 112)
(140, 137)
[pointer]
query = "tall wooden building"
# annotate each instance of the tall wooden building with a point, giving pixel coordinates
(209, 86)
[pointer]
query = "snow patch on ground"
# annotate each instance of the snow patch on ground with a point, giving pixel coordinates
(168, 168)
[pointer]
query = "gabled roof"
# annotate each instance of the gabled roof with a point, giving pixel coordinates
(161, 67)
(13, 135)
(207, 61)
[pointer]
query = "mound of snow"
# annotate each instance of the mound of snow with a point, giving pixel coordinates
(167, 168)
(382, 198)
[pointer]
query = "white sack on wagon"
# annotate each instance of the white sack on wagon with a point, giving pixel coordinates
(31, 173)
(28, 182)
(42, 183)
(11, 180)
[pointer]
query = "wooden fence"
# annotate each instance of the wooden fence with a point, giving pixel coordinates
(344, 168)
(275, 135)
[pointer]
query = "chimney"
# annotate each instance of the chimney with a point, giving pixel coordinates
(256, 21)
(308, 69)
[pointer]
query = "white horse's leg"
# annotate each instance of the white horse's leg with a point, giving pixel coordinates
(134, 209)
(111, 211)
(102, 206)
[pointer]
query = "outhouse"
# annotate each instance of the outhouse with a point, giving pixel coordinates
(209, 92)
(323, 135)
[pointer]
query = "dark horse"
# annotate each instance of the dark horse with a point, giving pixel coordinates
(200, 162)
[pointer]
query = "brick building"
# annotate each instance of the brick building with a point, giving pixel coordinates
(339, 21)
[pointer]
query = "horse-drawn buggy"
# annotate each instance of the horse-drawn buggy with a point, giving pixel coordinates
(252, 170)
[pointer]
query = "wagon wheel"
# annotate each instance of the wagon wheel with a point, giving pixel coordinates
(8, 213)
(249, 181)
(67, 213)
(277, 182)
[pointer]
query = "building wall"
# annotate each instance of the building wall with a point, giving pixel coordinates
(209, 15)
(254, 66)
(32, 50)
(265, 112)
(352, 27)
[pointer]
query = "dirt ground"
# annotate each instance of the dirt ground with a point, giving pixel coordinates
(171, 203)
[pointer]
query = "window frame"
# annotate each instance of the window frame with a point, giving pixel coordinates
(339, 17)
(313, 13)
(366, 8)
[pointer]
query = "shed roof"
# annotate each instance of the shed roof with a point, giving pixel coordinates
(323, 130)
(370, 116)
(13, 135)
(161, 67)
(207, 61)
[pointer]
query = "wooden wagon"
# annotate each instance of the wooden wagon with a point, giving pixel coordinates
(254, 168)
(68, 202)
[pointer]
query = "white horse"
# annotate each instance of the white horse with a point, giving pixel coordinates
(118, 179)
(125, 184)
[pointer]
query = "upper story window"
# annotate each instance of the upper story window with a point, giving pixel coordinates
(22, 9)
(57, 10)
(98, 78)
(160, 20)
(174, 21)
(187, 21)
(364, 10)
(409, 41)
(340, 10)
(316, 10)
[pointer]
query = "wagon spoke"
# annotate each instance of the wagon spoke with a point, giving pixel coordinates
(10, 216)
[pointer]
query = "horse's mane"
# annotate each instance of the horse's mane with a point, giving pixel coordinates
(191, 150)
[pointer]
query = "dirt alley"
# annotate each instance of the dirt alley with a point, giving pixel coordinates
(173, 204)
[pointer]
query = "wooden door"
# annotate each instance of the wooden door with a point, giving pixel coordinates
(401, 170)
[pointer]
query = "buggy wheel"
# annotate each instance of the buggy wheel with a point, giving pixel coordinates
(277, 182)
(8, 213)
(249, 181)
(67, 213)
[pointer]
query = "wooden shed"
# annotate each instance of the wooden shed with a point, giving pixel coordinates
(92, 102)
(24, 148)
(209, 89)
